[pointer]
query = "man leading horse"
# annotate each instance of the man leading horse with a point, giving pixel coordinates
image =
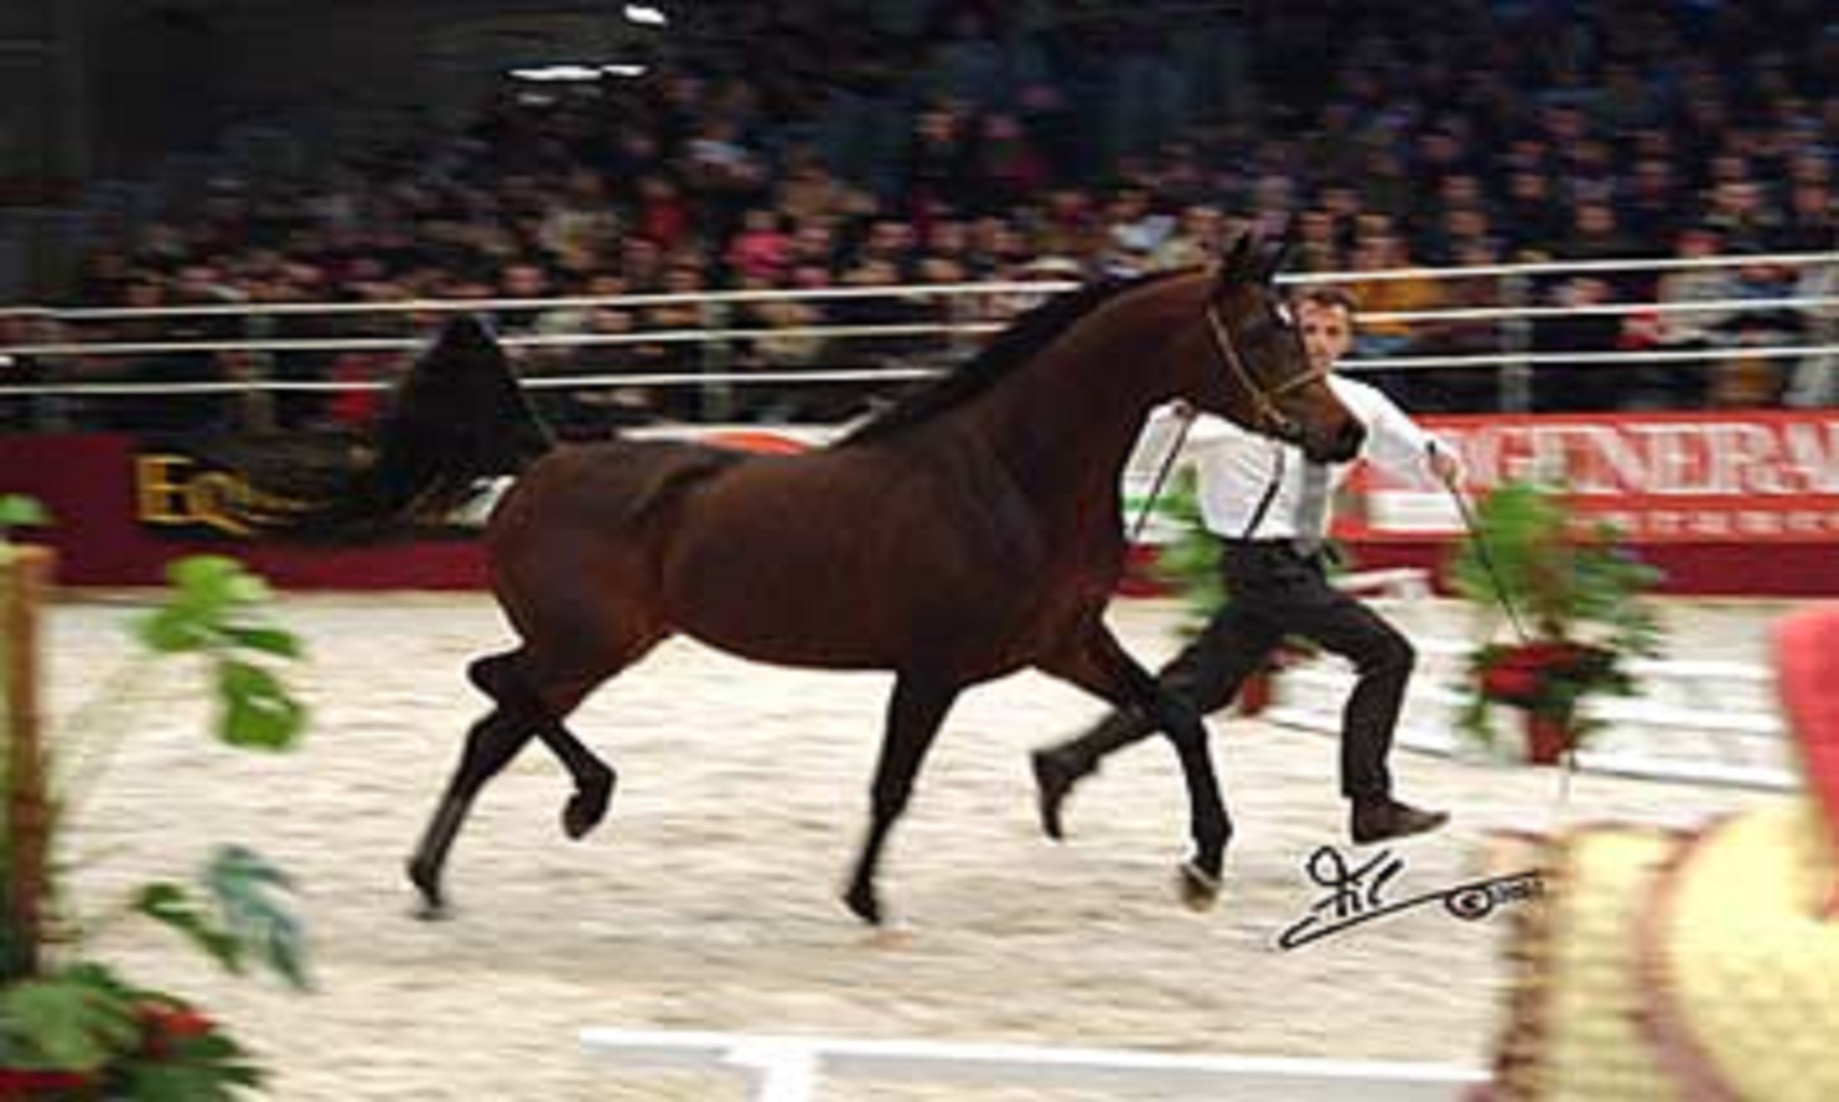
(1267, 503)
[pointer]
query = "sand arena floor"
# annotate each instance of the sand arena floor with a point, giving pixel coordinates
(708, 900)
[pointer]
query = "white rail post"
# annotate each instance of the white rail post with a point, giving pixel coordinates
(778, 1069)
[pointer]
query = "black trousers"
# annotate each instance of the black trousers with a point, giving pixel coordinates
(1277, 592)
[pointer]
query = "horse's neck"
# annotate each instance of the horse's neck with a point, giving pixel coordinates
(1064, 427)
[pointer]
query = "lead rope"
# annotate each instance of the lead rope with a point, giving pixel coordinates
(1187, 415)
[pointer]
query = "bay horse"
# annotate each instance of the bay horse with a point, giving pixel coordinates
(970, 530)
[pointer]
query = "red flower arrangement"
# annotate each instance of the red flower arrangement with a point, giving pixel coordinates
(1546, 677)
(1567, 581)
(25, 1083)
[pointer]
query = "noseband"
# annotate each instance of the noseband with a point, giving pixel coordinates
(1264, 402)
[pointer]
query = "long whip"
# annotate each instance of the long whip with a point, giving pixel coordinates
(1478, 536)
(1162, 475)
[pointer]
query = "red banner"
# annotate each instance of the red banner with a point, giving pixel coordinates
(1748, 477)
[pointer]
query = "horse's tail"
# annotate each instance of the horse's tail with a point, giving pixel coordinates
(459, 416)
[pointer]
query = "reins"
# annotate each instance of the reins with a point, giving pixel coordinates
(1479, 537)
(1187, 416)
(1263, 401)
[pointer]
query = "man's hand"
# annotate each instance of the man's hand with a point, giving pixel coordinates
(1445, 465)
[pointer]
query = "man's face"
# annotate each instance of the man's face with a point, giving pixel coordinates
(1328, 332)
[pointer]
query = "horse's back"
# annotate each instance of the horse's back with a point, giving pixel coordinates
(618, 483)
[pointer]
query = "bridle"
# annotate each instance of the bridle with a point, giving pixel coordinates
(1264, 406)
(1264, 401)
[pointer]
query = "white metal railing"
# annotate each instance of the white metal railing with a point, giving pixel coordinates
(715, 335)
(791, 1068)
(914, 290)
(521, 340)
(567, 302)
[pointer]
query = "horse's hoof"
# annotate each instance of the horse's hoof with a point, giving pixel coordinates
(1053, 779)
(887, 939)
(862, 903)
(1200, 890)
(588, 806)
(426, 879)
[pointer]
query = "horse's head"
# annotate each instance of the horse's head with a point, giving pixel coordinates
(1257, 371)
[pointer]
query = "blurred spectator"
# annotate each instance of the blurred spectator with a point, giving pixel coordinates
(1047, 269)
(1816, 378)
(761, 250)
(1692, 330)
(1532, 216)
(1195, 240)
(1318, 244)
(797, 347)
(1068, 227)
(1386, 252)
(1008, 167)
(591, 412)
(1748, 378)
(675, 355)
(939, 165)
(1461, 389)
(1582, 387)
(1740, 211)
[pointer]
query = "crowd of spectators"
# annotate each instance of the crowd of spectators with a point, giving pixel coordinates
(989, 141)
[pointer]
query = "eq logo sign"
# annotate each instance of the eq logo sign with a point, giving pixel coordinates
(178, 491)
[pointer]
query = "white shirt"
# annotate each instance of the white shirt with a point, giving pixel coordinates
(1235, 466)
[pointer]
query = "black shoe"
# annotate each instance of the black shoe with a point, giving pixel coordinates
(1378, 820)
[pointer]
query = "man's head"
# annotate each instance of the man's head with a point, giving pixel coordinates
(1325, 317)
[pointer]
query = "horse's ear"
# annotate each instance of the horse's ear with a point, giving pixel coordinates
(1239, 264)
(1274, 257)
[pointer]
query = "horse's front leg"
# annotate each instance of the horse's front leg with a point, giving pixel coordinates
(1098, 663)
(915, 713)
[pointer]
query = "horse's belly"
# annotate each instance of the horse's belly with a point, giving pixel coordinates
(834, 615)
(792, 621)
(807, 650)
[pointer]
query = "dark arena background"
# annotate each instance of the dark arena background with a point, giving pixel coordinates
(1594, 246)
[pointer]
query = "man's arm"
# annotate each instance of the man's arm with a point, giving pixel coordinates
(1402, 447)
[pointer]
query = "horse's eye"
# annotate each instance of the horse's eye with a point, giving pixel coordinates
(1284, 317)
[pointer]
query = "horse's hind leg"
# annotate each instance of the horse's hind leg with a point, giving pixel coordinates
(560, 677)
(490, 746)
(594, 779)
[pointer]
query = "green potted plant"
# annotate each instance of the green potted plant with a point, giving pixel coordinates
(1576, 596)
(72, 1027)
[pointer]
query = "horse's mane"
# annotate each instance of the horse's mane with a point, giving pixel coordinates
(1019, 343)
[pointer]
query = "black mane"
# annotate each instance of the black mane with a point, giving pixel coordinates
(1011, 348)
